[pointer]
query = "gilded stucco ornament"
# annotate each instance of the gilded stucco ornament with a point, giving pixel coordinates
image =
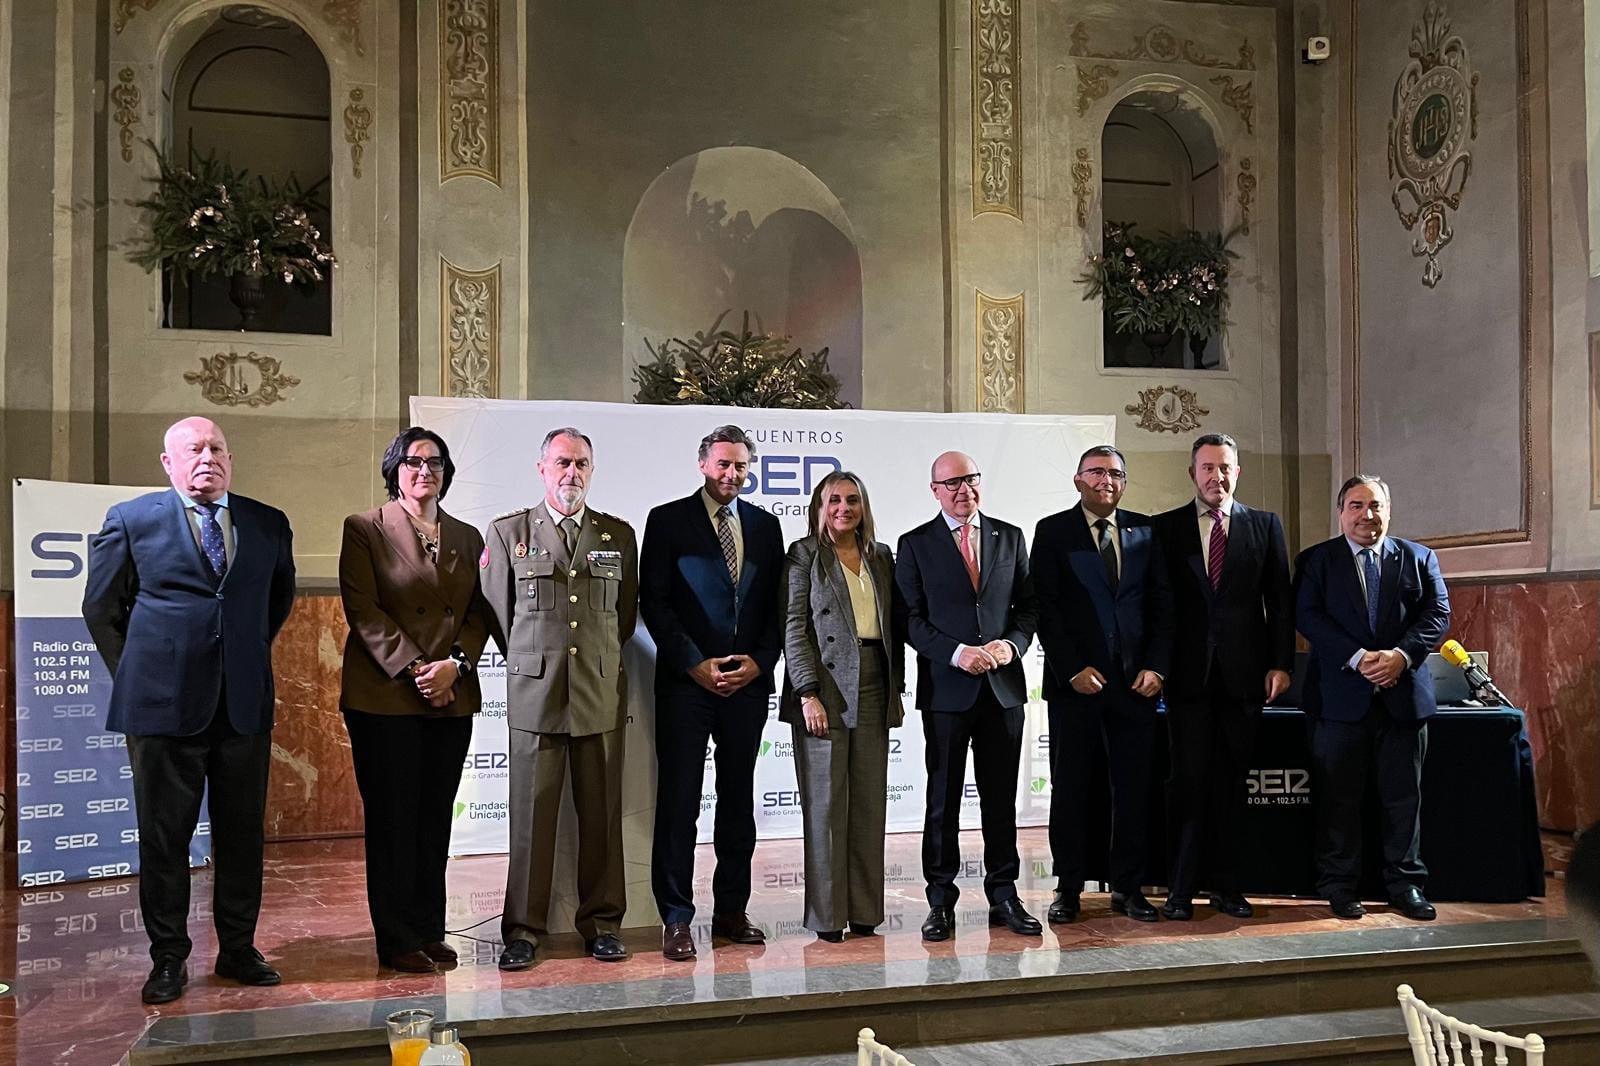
(229, 379)
(996, 109)
(469, 340)
(357, 128)
(1168, 409)
(1000, 353)
(1161, 44)
(1433, 119)
(125, 97)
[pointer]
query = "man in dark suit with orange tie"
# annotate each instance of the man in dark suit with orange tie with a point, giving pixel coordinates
(971, 614)
(185, 590)
(710, 572)
(1233, 650)
(1105, 622)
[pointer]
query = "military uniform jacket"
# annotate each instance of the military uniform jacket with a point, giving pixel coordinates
(565, 619)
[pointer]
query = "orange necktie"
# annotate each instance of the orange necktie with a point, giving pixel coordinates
(969, 554)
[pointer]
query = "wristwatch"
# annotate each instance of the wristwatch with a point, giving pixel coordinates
(459, 657)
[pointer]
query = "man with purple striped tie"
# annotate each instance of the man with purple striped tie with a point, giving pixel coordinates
(1229, 571)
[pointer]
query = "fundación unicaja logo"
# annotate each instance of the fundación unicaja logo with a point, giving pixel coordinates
(460, 810)
(1038, 785)
(766, 747)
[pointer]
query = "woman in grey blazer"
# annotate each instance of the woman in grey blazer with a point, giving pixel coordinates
(844, 656)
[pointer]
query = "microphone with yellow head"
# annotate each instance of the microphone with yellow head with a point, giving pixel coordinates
(1477, 679)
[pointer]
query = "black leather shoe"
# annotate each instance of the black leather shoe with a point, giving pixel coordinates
(1135, 906)
(737, 928)
(411, 962)
(1346, 906)
(677, 942)
(166, 980)
(246, 966)
(518, 955)
(1233, 905)
(1178, 909)
(940, 924)
(1412, 904)
(607, 947)
(863, 929)
(1011, 914)
(831, 936)
(1064, 908)
(440, 952)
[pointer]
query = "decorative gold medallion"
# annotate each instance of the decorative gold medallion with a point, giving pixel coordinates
(1434, 116)
(1168, 409)
(225, 379)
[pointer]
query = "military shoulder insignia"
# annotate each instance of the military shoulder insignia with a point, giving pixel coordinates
(508, 514)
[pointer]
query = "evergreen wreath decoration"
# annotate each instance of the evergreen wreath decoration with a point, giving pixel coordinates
(743, 369)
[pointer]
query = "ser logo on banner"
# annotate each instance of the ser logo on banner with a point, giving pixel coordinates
(1289, 787)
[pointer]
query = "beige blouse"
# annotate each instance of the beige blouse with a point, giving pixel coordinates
(863, 601)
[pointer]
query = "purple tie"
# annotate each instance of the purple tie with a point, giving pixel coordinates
(1216, 549)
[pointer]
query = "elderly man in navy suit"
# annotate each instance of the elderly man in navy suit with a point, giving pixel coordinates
(1373, 607)
(1106, 627)
(971, 614)
(186, 590)
(710, 573)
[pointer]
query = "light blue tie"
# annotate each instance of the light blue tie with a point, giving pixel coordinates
(1369, 569)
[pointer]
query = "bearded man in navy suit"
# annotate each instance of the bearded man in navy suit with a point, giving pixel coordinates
(186, 589)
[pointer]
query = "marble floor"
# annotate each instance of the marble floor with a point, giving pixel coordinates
(78, 952)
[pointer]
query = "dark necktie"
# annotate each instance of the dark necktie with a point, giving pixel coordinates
(569, 534)
(1108, 550)
(1369, 570)
(1216, 549)
(730, 551)
(211, 545)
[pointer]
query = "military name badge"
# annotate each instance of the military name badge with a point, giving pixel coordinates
(520, 551)
(605, 563)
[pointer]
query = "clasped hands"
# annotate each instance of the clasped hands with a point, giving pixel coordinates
(710, 675)
(437, 682)
(1383, 668)
(990, 656)
(1090, 682)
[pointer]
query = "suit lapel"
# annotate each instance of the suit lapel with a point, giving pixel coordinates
(1133, 540)
(588, 540)
(178, 520)
(546, 533)
(1388, 580)
(882, 587)
(834, 571)
(1348, 580)
(749, 564)
(1084, 552)
(402, 537)
(1191, 546)
(1239, 544)
(988, 552)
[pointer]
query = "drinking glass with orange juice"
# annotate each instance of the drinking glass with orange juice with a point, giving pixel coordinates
(408, 1035)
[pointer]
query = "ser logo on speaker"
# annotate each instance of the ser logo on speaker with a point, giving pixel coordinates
(1289, 787)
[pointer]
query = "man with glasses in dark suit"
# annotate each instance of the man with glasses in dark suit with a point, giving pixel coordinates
(971, 615)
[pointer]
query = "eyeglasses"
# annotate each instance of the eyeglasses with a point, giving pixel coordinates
(1100, 473)
(951, 484)
(415, 462)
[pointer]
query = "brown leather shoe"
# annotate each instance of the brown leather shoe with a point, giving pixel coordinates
(677, 942)
(411, 962)
(440, 952)
(737, 928)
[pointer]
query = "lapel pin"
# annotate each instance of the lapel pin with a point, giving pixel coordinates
(521, 550)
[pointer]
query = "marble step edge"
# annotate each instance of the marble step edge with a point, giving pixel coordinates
(1284, 1039)
(696, 996)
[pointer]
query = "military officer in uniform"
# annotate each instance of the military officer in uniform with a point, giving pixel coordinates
(563, 580)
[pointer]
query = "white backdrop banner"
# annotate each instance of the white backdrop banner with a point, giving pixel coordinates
(645, 456)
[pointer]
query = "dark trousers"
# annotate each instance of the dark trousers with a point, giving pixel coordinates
(1122, 724)
(170, 776)
(1343, 755)
(994, 733)
(540, 765)
(408, 767)
(685, 721)
(1211, 740)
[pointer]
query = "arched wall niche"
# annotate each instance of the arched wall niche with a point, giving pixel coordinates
(1161, 171)
(743, 229)
(252, 87)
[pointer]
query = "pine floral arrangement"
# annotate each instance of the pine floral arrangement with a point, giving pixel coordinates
(1174, 281)
(741, 369)
(209, 218)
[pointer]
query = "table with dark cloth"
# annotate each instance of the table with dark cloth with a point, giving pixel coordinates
(1480, 826)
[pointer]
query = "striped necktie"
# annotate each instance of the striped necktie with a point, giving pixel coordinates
(1216, 549)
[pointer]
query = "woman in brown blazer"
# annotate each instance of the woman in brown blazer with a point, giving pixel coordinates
(408, 576)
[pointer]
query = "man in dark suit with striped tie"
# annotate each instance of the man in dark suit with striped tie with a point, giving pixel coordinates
(710, 571)
(185, 590)
(1232, 652)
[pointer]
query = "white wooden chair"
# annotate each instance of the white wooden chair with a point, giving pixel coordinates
(871, 1053)
(1436, 1037)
